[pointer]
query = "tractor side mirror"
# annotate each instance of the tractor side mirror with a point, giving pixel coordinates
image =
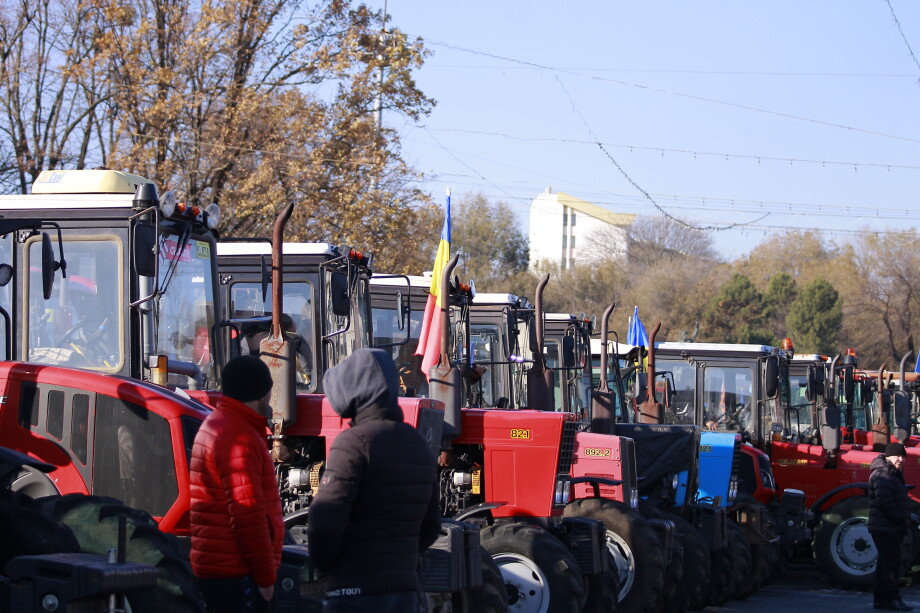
(849, 387)
(6, 274)
(811, 384)
(338, 286)
(901, 415)
(145, 258)
(400, 311)
(771, 376)
(48, 266)
(568, 352)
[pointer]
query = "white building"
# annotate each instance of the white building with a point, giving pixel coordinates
(562, 228)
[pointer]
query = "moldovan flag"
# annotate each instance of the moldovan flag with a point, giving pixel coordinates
(429, 340)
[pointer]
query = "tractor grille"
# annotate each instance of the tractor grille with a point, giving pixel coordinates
(567, 447)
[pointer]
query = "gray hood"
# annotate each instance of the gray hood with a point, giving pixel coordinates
(364, 386)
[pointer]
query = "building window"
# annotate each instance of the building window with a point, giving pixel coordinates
(565, 218)
(573, 219)
(564, 241)
(572, 242)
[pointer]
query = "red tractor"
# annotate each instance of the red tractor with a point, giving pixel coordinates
(514, 464)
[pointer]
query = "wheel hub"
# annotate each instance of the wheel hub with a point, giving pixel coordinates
(623, 558)
(853, 548)
(527, 586)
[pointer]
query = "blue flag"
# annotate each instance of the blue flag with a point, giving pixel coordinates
(917, 365)
(636, 334)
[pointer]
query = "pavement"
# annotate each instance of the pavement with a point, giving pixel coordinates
(803, 589)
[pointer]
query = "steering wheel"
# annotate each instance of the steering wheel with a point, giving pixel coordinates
(86, 337)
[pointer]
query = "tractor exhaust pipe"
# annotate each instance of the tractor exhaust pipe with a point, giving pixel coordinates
(651, 411)
(603, 403)
(276, 351)
(540, 378)
(881, 432)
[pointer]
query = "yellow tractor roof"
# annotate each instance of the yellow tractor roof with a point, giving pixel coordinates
(87, 182)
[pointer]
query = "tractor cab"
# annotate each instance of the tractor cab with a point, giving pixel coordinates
(397, 311)
(109, 275)
(326, 302)
(567, 351)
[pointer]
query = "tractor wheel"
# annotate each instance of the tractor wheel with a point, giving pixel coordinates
(691, 592)
(635, 550)
(24, 531)
(539, 572)
(603, 590)
(843, 546)
(720, 576)
(490, 597)
(94, 522)
(670, 598)
(741, 560)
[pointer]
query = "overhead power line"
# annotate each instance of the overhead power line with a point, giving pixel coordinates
(714, 154)
(901, 32)
(735, 105)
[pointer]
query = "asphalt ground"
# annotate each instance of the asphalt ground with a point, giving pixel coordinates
(803, 589)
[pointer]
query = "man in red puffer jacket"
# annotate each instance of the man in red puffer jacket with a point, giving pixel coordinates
(237, 526)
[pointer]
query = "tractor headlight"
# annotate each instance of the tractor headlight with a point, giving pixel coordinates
(563, 491)
(732, 491)
(212, 214)
(634, 498)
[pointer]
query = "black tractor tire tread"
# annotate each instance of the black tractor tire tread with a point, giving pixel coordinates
(720, 577)
(830, 519)
(603, 590)
(566, 590)
(491, 596)
(691, 593)
(24, 530)
(741, 561)
(644, 545)
(93, 520)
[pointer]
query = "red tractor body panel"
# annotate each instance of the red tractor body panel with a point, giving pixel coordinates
(521, 451)
(764, 492)
(803, 467)
(600, 455)
(76, 455)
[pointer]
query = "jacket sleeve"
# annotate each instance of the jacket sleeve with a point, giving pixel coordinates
(239, 463)
(330, 511)
(431, 523)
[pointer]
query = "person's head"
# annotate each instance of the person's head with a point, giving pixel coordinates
(895, 453)
(247, 378)
(366, 378)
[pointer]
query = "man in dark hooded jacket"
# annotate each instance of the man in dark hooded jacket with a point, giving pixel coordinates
(376, 509)
(889, 522)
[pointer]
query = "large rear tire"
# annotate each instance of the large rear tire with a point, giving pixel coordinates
(691, 592)
(94, 522)
(720, 577)
(24, 531)
(740, 548)
(490, 597)
(843, 547)
(635, 548)
(540, 575)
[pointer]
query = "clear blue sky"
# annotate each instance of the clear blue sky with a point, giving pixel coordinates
(784, 114)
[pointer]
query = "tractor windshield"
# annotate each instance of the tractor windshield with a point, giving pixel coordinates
(246, 301)
(81, 324)
(184, 308)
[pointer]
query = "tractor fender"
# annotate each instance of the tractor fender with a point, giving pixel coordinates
(483, 508)
(596, 482)
(818, 505)
(296, 518)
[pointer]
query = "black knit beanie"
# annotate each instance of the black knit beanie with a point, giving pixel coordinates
(246, 378)
(895, 449)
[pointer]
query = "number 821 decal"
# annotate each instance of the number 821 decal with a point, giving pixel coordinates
(520, 433)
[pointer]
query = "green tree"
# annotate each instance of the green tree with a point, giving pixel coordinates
(815, 317)
(492, 247)
(736, 314)
(781, 293)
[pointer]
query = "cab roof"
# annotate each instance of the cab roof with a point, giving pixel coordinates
(265, 248)
(72, 189)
